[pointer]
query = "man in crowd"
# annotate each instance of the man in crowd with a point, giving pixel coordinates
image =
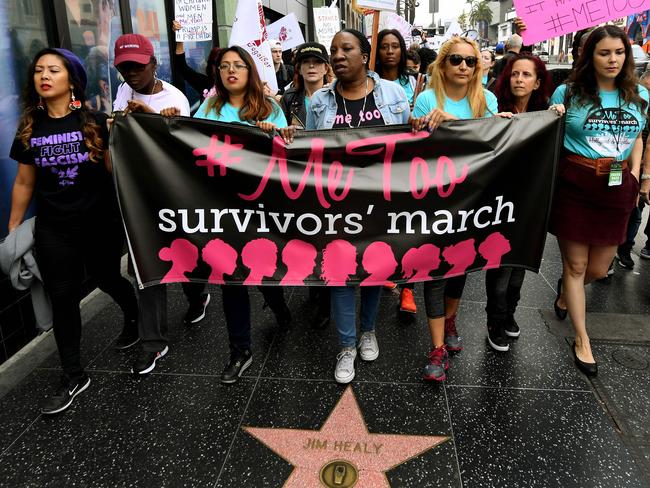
(283, 72)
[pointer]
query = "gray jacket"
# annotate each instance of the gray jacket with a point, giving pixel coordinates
(17, 261)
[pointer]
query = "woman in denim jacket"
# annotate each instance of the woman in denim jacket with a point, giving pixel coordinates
(358, 98)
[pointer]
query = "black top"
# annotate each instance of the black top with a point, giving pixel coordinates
(284, 76)
(356, 114)
(293, 105)
(196, 80)
(70, 187)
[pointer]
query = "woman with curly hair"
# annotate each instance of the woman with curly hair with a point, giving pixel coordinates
(61, 150)
(598, 175)
(524, 86)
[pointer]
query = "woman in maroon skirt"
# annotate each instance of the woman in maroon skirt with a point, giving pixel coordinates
(598, 174)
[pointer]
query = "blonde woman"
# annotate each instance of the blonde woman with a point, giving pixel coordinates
(455, 91)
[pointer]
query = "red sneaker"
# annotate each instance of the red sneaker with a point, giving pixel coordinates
(438, 364)
(407, 302)
(452, 339)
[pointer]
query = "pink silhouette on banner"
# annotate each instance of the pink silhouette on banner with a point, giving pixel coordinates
(379, 261)
(300, 259)
(419, 262)
(339, 262)
(493, 248)
(222, 258)
(184, 257)
(260, 256)
(460, 256)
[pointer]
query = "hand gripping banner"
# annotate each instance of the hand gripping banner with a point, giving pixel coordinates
(226, 203)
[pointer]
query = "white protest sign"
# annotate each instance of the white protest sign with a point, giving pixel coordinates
(326, 24)
(378, 4)
(390, 20)
(287, 31)
(196, 18)
(250, 33)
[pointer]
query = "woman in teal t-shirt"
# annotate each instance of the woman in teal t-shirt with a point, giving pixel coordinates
(240, 98)
(455, 92)
(391, 61)
(598, 175)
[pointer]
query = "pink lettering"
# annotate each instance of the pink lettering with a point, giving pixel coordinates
(445, 169)
(315, 160)
(387, 144)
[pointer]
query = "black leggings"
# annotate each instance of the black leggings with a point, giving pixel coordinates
(435, 292)
(62, 256)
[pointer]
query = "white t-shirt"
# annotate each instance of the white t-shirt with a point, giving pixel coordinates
(170, 96)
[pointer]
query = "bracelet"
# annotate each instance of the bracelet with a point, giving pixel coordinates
(645, 176)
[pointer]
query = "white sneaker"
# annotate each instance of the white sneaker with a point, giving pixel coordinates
(344, 372)
(368, 347)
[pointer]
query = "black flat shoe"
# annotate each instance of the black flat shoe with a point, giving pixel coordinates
(590, 369)
(561, 313)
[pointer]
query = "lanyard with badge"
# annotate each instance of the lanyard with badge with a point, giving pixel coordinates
(616, 167)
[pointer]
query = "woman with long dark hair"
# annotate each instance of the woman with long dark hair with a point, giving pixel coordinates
(240, 99)
(598, 175)
(391, 61)
(62, 151)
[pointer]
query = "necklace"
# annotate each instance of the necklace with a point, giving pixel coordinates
(363, 109)
(153, 88)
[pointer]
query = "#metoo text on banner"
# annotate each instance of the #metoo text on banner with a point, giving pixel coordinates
(227, 203)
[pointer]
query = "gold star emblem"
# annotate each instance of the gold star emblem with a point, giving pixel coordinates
(342, 454)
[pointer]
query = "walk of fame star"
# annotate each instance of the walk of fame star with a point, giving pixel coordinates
(342, 449)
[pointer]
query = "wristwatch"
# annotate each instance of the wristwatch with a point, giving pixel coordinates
(645, 176)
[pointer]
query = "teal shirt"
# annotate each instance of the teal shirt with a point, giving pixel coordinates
(484, 80)
(608, 130)
(405, 82)
(426, 102)
(231, 114)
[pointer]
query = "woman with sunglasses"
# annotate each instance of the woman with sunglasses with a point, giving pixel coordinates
(240, 99)
(358, 98)
(455, 92)
(312, 72)
(598, 175)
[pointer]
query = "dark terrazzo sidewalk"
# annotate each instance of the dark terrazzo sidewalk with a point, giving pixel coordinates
(526, 418)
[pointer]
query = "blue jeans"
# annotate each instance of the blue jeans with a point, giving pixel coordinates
(344, 311)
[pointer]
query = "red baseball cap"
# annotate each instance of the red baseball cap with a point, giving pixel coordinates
(133, 47)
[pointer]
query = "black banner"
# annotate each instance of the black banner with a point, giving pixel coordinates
(205, 201)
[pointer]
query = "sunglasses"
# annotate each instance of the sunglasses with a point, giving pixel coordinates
(456, 59)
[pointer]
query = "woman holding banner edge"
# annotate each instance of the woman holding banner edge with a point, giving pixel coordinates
(455, 91)
(358, 98)
(240, 99)
(598, 175)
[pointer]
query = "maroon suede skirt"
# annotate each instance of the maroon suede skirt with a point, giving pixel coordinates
(586, 210)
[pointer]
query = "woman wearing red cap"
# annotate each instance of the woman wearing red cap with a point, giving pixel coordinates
(61, 146)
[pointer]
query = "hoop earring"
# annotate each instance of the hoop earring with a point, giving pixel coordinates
(74, 103)
(40, 105)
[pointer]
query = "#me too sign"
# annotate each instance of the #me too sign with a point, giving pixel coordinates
(226, 203)
(551, 18)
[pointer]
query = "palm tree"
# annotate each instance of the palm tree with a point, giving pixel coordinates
(480, 15)
(462, 21)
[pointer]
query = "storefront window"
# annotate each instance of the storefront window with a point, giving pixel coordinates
(22, 35)
(94, 25)
(196, 55)
(149, 20)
